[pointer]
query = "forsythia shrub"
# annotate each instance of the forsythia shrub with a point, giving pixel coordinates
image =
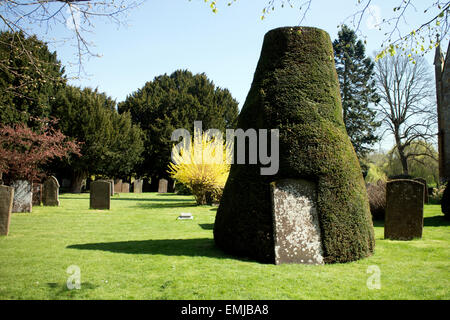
(203, 166)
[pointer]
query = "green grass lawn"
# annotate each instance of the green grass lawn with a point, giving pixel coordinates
(139, 250)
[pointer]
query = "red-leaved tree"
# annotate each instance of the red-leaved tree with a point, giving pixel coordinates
(23, 150)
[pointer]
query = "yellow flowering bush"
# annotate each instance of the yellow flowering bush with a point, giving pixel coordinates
(202, 165)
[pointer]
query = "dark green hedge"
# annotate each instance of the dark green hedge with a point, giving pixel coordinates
(296, 90)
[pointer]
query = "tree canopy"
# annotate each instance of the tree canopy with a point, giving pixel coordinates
(112, 145)
(175, 101)
(30, 75)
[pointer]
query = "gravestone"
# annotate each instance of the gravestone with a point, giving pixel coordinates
(137, 186)
(404, 209)
(50, 194)
(37, 194)
(23, 196)
(100, 195)
(6, 203)
(296, 223)
(111, 181)
(426, 194)
(162, 187)
(111, 185)
(125, 187)
(117, 185)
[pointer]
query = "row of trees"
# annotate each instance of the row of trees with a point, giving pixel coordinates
(391, 97)
(129, 139)
(133, 137)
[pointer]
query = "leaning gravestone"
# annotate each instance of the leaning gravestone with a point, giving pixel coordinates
(6, 203)
(162, 187)
(23, 196)
(37, 194)
(296, 91)
(50, 196)
(137, 185)
(404, 209)
(100, 195)
(118, 185)
(296, 222)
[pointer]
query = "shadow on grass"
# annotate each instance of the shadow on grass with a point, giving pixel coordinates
(435, 221)
(150, 199)
(201, 247)
(206, 226)
(378, 223)
(165, 205)
(61, 290)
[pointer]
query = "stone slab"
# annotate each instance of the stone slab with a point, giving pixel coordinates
(297, 232)
(137, 185)
(404, 209)
(50, 195)
(100, 195)
(23, 196)
(162, 187)
(6, 203)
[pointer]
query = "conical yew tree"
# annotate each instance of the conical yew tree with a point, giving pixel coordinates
(296, 90)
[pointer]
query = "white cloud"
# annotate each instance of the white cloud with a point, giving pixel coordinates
(374, 17)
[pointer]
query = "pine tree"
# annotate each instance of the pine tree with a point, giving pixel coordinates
(356, 79)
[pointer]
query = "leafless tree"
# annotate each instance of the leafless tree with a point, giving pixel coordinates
(78, 17)
(421, 35)
(408, 107)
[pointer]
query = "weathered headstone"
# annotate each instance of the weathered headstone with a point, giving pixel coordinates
(404, 210)
(125, 187)
(100, 195)
(6, 203)
(23, 196)
(37, 194)
(137, 185)
(296, 223)
(50, 195)
(117, 185)
(162, 187)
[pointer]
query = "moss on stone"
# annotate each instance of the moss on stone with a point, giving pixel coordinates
(296, 90)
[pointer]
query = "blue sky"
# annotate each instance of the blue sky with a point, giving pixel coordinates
(163, 36)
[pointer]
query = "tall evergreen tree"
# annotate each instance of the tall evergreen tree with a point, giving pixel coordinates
(30, 75)
(111, 144)
(176, 101)
(356, 79)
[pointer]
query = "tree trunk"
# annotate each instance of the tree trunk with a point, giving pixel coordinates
(77, 181)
